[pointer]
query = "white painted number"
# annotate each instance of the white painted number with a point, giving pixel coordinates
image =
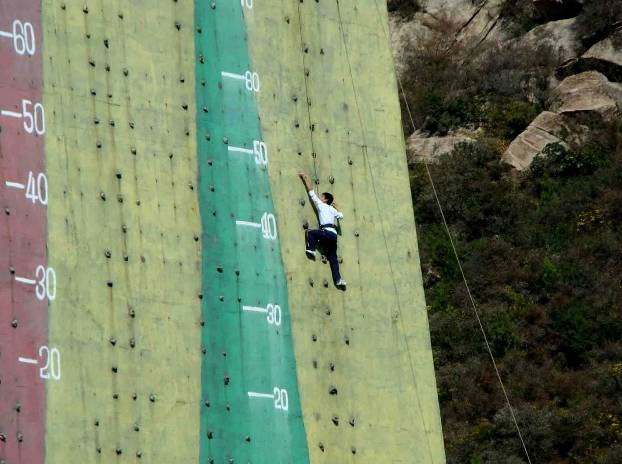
(247, 4)
(37, 189)
(281, 401)
(51, 356)
(274, 314)
(33, 120)
(46, 283)
(261, 152)
(252, 81)
(268, 226)
(23, 38)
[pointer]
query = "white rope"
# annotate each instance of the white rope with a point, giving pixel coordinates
(455, 252)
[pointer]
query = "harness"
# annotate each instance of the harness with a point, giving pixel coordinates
(328, 226)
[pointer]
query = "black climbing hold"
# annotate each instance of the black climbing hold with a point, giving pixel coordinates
(332, 390)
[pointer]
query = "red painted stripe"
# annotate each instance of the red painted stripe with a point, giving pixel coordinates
(23, 238)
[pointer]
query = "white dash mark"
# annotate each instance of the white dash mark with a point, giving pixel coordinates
(11, 114)
(24, 280)
(27, 360)
(16, 185)
(260, 395)
(240, 150)
(254, 309)
(233, 75)
(249, 224)
(6, 34)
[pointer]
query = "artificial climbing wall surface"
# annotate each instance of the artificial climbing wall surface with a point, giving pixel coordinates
(328, 105)
(251, 409)
(23, 234)
(156, 303)
(123, 231)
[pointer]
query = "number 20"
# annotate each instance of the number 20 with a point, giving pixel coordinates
(281, 400)
(51, 370)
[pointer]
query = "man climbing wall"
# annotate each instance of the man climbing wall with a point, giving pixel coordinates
(326, 235)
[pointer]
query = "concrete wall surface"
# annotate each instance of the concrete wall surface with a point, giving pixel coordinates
(156, 303)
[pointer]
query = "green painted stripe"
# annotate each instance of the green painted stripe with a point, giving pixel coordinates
(244, 352)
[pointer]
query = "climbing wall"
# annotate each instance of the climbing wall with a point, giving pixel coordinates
(251, 410)
(156, 304)
(24, 273)
(328, 105)
(123, 231)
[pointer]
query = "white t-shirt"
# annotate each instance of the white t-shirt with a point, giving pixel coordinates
(326, 213)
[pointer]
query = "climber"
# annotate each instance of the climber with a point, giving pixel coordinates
(326, 235)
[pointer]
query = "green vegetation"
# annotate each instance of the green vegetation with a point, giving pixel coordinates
(542, 251)
(451, 84)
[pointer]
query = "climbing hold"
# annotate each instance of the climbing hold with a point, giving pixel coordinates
(85, 9)
(321, 446)
(114, 369)
(113, 341)
(152, 398)
(335, 420)
(331, 179)
(177, 25)
(226, 380)
(332, 390)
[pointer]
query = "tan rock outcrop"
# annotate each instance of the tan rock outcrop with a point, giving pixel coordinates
(609, 49)
(546, 128)
(559, 35)
(588, 91)
(423, 148)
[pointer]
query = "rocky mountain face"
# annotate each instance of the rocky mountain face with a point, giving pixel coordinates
(571, 80)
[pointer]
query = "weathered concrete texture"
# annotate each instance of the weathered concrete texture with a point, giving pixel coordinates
(328, 105)
(250, 409)
(123, 231)
(23, 234)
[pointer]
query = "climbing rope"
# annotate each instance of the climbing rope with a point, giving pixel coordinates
(451, 240)
(384, 235)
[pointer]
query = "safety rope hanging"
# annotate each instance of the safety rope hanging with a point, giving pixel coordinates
(455, 253)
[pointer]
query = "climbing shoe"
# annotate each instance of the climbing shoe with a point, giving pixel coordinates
(310, 254)
(341, 284)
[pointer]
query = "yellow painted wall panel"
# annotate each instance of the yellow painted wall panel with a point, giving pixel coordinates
(372, 341)
(119, 100)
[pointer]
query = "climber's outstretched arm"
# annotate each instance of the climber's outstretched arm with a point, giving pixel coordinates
(306, 181)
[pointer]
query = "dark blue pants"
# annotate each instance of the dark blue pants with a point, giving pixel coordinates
(328, 241)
